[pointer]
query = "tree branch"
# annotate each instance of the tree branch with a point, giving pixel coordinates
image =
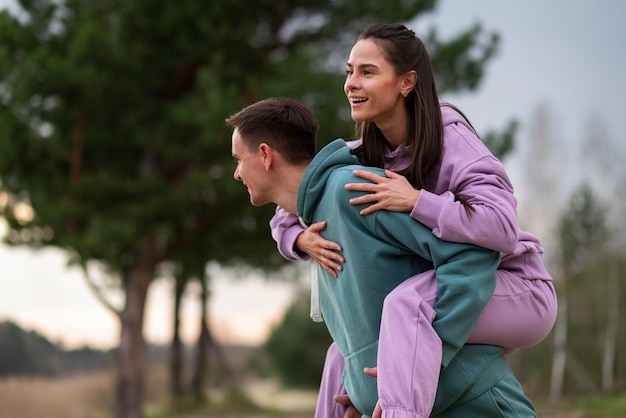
(97, 291)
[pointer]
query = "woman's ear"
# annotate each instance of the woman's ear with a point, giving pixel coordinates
(408, 82)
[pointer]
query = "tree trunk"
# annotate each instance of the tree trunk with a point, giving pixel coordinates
(612, 326)
(176, 360)
(580, 376)
(128, 394)
(560, 349)
(202, 350)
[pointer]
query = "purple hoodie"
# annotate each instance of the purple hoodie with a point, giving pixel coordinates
(467, 168)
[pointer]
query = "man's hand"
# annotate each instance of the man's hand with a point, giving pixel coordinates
(373, 372)
(351, 411)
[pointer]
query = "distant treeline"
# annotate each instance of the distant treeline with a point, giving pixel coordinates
(29, 353)
(25, 352)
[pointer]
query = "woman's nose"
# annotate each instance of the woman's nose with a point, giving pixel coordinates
(349, 84)
(352, 82)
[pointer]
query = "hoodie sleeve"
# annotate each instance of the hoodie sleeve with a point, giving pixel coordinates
(465, 276)
(492, 221)
(285, 229)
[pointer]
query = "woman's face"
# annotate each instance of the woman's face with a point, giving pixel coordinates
(372, 87)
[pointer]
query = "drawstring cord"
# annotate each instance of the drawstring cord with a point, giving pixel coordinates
(316, 313)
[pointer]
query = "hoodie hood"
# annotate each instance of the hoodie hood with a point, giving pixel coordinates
(334, 155)
(450, 116)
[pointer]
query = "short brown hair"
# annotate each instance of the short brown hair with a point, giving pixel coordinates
(284, 124)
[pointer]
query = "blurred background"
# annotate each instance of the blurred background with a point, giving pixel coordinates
(133, 267)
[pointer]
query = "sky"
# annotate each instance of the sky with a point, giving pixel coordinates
(566, 55)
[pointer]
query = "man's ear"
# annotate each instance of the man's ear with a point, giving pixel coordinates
(266, 155)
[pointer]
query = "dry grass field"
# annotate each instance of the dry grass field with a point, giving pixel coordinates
(89, 396)
(80, 396)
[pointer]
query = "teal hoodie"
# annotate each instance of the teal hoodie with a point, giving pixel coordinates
(381, 250)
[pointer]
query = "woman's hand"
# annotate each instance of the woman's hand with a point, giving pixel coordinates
(393, 192)
(323, 251)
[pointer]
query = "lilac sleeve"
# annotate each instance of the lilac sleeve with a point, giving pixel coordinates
(492, 223)
(285, 229)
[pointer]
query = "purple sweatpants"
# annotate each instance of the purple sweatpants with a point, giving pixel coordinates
(520, 314)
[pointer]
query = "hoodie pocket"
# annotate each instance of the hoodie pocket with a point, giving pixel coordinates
(362, 388)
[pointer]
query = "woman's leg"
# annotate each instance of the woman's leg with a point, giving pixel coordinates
(331, 385)
(520, 313)
(409, 350)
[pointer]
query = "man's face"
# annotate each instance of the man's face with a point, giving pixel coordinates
(251, 170)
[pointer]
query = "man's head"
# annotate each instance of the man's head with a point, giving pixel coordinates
(270, 138)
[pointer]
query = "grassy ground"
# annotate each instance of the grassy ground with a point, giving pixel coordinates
(585, 407)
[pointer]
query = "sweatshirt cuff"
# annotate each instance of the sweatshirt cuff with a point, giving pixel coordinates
(289, 249)
(401, 413)
(427, 208)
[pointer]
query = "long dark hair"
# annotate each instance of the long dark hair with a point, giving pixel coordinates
(405, 51)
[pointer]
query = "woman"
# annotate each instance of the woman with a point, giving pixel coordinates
(443, 175)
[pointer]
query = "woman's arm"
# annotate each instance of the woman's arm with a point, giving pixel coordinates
(491, 221)
(483, 185)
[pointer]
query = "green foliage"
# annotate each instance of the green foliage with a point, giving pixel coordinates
(501, 143)
(112, 124)
(593, 283)
(476, 49)
(297, 347)
(583, 232)
(111, 115)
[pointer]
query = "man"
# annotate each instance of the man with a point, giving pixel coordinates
(273, 143)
